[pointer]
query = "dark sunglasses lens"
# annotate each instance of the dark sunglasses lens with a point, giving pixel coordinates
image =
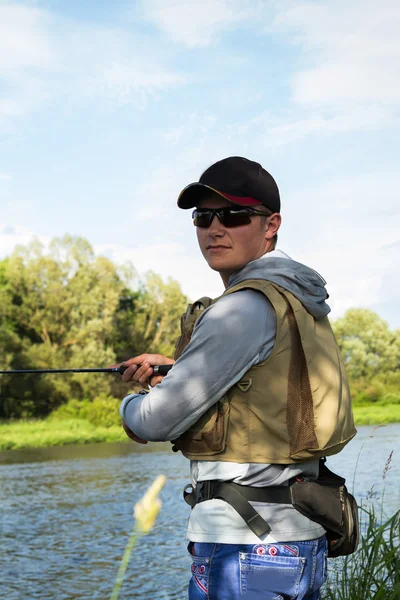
(202, 219)
(229, 217)
(235, 218)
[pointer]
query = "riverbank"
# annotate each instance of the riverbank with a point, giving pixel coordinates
(44, 433)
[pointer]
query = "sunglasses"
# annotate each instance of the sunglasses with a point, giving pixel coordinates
(229, 216)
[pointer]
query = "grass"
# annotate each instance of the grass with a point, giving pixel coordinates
(373, 571)
(43, 433)
(377, 414)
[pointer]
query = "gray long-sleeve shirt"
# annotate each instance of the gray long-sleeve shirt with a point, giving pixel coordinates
(245, 324)
(229, 337)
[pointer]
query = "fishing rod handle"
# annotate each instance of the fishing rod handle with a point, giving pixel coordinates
(158, 369)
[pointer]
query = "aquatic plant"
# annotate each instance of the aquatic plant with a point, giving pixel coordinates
(373, 572)
(145, 514)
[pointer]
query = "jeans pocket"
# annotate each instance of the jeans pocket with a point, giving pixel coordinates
(277, 575)
(321, 569)
(200, 575)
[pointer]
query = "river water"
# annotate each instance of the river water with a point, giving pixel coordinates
(66, 515)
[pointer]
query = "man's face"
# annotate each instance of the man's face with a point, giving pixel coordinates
(228, 249)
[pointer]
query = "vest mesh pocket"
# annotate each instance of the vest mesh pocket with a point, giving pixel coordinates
(300, 409)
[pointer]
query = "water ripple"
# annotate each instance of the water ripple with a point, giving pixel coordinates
(67, 514)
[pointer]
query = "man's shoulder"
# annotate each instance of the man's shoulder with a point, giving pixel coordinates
(242, 302)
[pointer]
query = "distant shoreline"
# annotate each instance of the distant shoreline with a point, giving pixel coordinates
(45, 433)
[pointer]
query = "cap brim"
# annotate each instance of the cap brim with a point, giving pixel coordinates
(193, 193)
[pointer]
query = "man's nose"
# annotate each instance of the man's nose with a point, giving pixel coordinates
(216, 227)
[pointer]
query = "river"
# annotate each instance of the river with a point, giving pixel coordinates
(66, 515)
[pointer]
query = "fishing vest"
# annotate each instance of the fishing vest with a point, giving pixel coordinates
(293, 407)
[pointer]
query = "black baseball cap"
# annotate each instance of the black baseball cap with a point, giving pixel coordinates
(237, 179)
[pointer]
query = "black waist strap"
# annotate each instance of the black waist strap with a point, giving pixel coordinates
(238, 497)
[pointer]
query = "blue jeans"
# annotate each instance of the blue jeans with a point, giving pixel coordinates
(282, 571)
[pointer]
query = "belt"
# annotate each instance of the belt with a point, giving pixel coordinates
(238, 497)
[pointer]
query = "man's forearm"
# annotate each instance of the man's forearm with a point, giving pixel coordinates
(202, 375)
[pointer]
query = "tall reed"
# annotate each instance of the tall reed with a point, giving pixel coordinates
(373, 572)
(145, 514)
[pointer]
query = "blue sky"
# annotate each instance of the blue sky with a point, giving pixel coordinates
(108, 109)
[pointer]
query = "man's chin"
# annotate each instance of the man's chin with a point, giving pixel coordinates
(223, 270)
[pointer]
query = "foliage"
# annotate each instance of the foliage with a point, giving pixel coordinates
(368, 346)
(371, 352)
(67, 308)
(103, 411)
(382, 389)
(376, 414)
(155, 316)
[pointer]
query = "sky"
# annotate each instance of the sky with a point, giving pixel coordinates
(108, 109)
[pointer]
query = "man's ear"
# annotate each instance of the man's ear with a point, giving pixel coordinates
(274, 222)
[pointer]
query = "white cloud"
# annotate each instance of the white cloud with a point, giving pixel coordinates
(24, 39)
(268, 130)
(201, 139)
(14, 235)
(348, 232)
(26, 57)
(134, 81)
(355, 48)
(5, 177)
(357, 275)
(356, 119)
(194, 23)
(44, 57)
(154, 198)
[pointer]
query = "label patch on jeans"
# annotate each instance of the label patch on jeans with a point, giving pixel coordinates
(200, 570)
(276, 549)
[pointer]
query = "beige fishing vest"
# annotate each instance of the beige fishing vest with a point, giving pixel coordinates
(294, 406)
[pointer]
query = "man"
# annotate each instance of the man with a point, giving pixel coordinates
(256, 396)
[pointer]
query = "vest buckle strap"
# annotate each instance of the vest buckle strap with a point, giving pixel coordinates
(244, 386)
(203, 491)
(189, 497)
(237, 496)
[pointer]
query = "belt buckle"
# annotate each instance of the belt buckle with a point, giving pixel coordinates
(203, 491)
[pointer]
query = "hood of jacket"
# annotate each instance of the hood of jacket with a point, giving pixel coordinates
(298, 279)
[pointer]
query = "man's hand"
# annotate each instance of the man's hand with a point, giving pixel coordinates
(132, 435)
(139, 368)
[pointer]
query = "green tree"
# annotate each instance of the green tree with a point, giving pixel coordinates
(149, 320)
(367, 344)
(8, 338)
(67, 308)
(62, 306)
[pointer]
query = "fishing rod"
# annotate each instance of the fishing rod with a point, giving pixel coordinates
(158, 370)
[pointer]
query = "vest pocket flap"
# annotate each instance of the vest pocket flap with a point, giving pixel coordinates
(319, 503)
(208, 435)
